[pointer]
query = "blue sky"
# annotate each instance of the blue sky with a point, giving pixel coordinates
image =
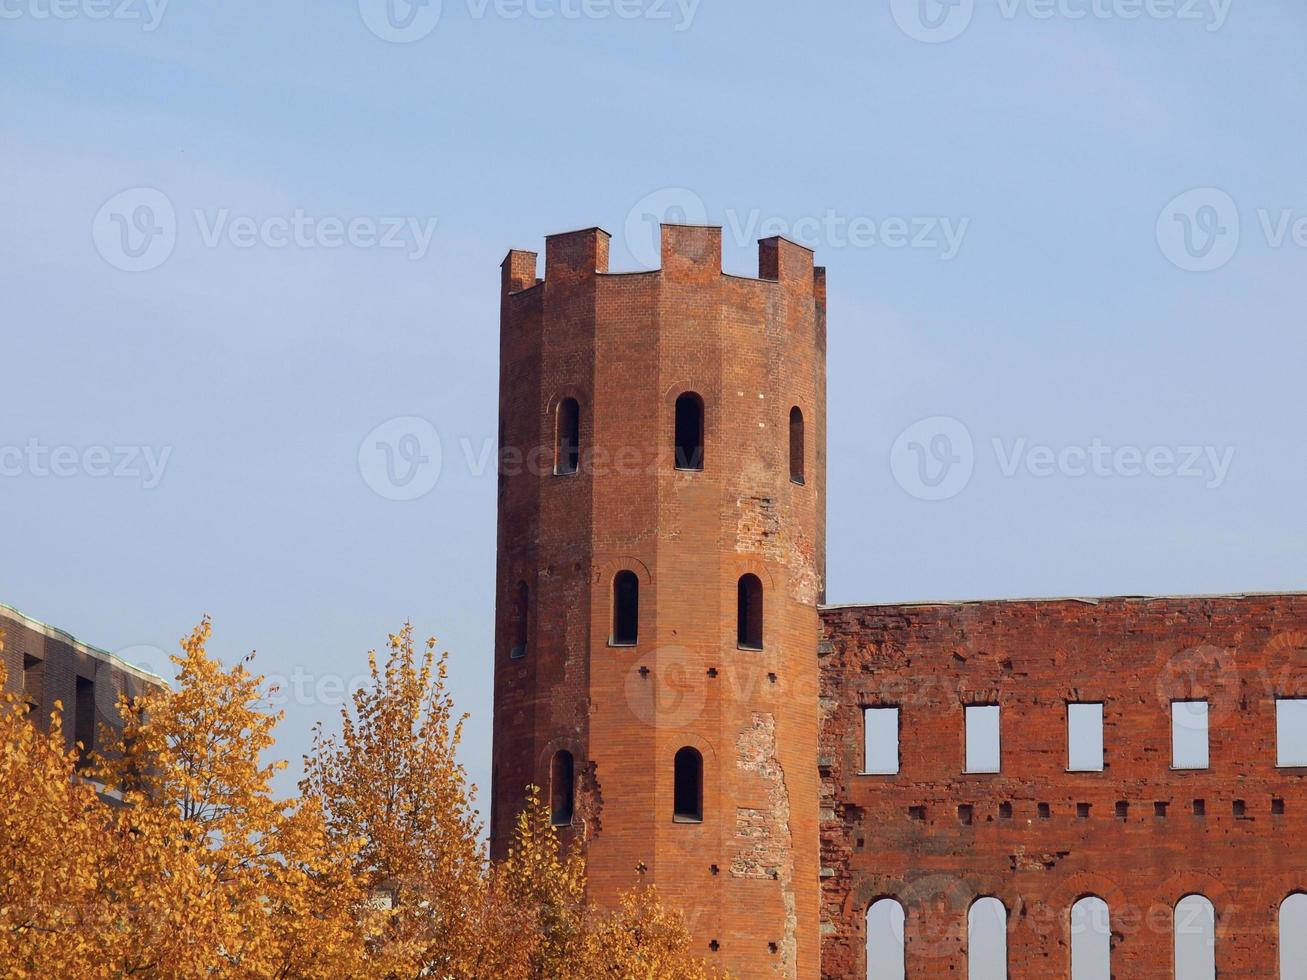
(1054, 150)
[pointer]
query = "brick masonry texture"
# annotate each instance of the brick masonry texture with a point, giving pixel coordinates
(1136, 656)
(626, 347)
(796, 843)
(45, 664)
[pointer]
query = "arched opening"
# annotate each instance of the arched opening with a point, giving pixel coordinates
(1293, 937)
(1091, 940)
(521, 612)
(567, 437)
(796, 445)
(626, 609)
(748, 621)
(885, 957)
(689, 432)
(1195, 939)
(987, 940)
(562, 789)
(687, 804)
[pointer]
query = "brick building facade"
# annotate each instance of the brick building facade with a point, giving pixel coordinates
(46, 665)
(666, 672)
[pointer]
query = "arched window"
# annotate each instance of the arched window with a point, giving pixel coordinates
(987, 940)
(688, 789)
(562, 789)
(885, 940)
(567, 437)
(1091, 940)
(748, 623)
(796, 445)
(689, 432)
(521, 613)
(1293, 937)
(1195, 939)
(626, 609)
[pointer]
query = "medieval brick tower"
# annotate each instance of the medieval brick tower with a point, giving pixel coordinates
(661, 556)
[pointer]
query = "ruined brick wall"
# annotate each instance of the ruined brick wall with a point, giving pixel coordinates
(44, 664)
(625, 346)
(1037, 836)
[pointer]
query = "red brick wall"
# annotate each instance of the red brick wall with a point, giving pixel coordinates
(1136, 656)
(62, 661)
(626, 346)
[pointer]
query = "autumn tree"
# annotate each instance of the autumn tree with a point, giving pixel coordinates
(391, 781)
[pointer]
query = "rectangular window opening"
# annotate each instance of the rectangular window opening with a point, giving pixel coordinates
(984, 751)
(1189, 747)
(1291, 732)
(84, 715)
(1085, 737)
(880, 729)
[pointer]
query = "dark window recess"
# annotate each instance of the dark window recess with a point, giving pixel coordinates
(567, 437)
(688, 790)
(1122, 809)
(521, 615)
(626, 609)
(749, 613)
(1159, 809)
(1082, 811)
(1005, 811)
(1200, 808)
(33, 680)
(1239, 808)
(689, 432)
(965, 813)
(796, 445)
(562, 789)
(84, 714)
(1277, 807)
(1045, 811)
(917, 812)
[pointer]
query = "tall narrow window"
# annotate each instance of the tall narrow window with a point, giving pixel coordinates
(984, 750)
(987, 940)
(885, 940)
(1189, 749)
(521, 617)
(562, 789)
(749, 613)
(33, 681)
(689, 432)
(688, 789)
(626, 609)
(1291, 732)
(567, 437)
(84, 714)
(1084, 724)
(880, 729)
(1091, 940)
(1195, 939)
(1293, 937)
(796, 445)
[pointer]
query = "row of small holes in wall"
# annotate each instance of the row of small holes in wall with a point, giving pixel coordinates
(966, 811)
(688, 437)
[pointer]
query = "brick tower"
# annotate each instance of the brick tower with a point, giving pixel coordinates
(661, 555)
